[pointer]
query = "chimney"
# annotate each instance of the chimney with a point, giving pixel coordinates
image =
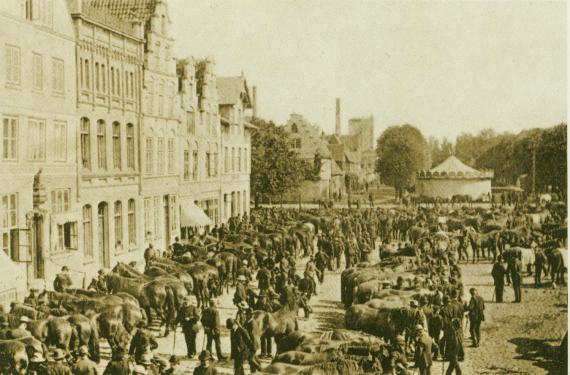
(254, 101)
(337, 124)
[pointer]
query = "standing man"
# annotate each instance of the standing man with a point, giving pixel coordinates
(516, 276)
(142, 342)
(188, 317)
(205, 367)
(452, 348)
(62, 280)
(149, 254)
(58, 367)
(84, 366)
(177, 248)
(242, 348)
(424, 343)
(498, 274)
(241, 291)
(211, 323)
(476, 316)
(539, 262)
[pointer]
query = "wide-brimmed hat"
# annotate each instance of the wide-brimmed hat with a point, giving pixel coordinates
(419, 327)
(58, 354)
(413, 303)
(139, 369)
(205, 355)
(37, 357)
(241, 278)
(24, 319)
(244, 262)
(243, 305)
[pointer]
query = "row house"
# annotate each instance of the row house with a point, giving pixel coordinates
(109, 60)
(39, 211)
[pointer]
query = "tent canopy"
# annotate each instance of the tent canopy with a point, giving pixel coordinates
(452, 164)
(192, 215)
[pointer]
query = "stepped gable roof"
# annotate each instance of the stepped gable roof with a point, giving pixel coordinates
(231, 90)
(128, 10)
(452, 164)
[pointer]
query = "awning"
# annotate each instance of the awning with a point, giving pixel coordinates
(192, 215)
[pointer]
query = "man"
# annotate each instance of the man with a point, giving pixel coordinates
(149, 366)
(263, 277)
(120, 363)
(243, 314)
(38, 365)
(31, 299)
(321, 261)
(205, 367)
(21, 330)
(288, 295)
(211, 323)
(188, 317)
(174, 366)
(58, 366)
(101, 283)
(62, 280)
(242, 348)
(424, 343)
(476, 316)
(452, 346)
(498, 272)
(241, 291)
(84, 366)
(177, 248)
(142, 342)
(539, 262)
(150, 253)
(516, 272)
(244, 270)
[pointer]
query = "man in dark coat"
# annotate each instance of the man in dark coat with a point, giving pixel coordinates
(241, 290)
(84, 366)
(211, 323)
(242, 348)
(452, 346)
(142, 342)
(188, 317)
(59, 367)
(38, 365)
(516, 271)
(177, 247)
(476, 316)
(498, 274)
(62, 280)
(205, 367)
(120, 364)
(263, 277)
(424, 343)
(539, 262)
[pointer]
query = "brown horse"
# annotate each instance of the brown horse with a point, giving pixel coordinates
(274, 324)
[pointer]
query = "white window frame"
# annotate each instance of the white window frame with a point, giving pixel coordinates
(36, 139)
(60, 141)
(13, 65)
(10, 138)
(37, 72)
(58, 76)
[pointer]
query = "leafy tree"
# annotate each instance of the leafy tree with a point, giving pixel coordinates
(275, 168)
(402, 151)
(439, 151)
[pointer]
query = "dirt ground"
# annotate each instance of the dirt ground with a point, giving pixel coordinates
(516, 338)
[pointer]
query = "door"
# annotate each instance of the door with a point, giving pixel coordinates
(166, 222)
(103, 235)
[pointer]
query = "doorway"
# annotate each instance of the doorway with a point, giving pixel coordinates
(166, 203)
(103, 235)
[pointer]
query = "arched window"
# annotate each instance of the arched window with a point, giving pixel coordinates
(116, 145)
(132, 223)
(160, 155)
(170, 155)
(85, 143)
(195, 161)
(118, 224)
(130, 146)
(87, 232)
(186, 168)
(294, 128)
(101, 144)
(149, 161)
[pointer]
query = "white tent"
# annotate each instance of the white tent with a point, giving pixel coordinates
(192, 215)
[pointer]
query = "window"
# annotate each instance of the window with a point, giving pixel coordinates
(101, 144)
(195, 164)
(132, 223)
(37, 139)
(148, 218)
(97, 77)
(118, 223)
(10, 138)
(157, 208)
(116, 145)
(112, 83)
(57, 76)
(38, 72)
(170, 101)
(41, 10)
(118, 82)
(85, 143)
(294, 128)
(132, 84)
(173, 210)
(67, 236)
(87, 78)
(13, 65)
(161, 98)
(130, 146)
(209, 164)
(60, 200)
(60, 141)
(149, 156)
(150, 96)
(186, 165)
(87, 232)
(160, 155)
(103, 79)
(171, 155)
(239, 160)
(233, 159)
(226, 160)
(126, 90)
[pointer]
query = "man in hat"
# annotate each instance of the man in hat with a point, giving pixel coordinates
(174, 368)
(22, 330)
(516, 271)
(205, 367)
(62, 280)
(476, 316)
(120, 363)
(242, 348)
(244, 270)
(38, 365)
(453, 346)
(177, 247)
(84, 366)
(58, 366)
(263, 277)
(150, 253)
(241, 290)
(498, 272)
(539, 264)
(101, 283)
(243, 314)
(32, 299)
(188, 317)
(211, 323)
(398, 358)
(423, 353)
(149, 366)
(143, 341)
(418, 318)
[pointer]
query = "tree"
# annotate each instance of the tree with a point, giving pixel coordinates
(439, 151)
(402, 151)
(275, 168)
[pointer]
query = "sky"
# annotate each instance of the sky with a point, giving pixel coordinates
(444, 67)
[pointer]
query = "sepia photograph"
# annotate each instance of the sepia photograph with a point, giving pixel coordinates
(281, 187)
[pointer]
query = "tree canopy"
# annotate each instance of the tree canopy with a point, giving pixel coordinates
(275, 168)
(402, 151)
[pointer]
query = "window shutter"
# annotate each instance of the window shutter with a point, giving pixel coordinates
(15, 244)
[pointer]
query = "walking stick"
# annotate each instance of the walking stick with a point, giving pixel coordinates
(174, 342)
